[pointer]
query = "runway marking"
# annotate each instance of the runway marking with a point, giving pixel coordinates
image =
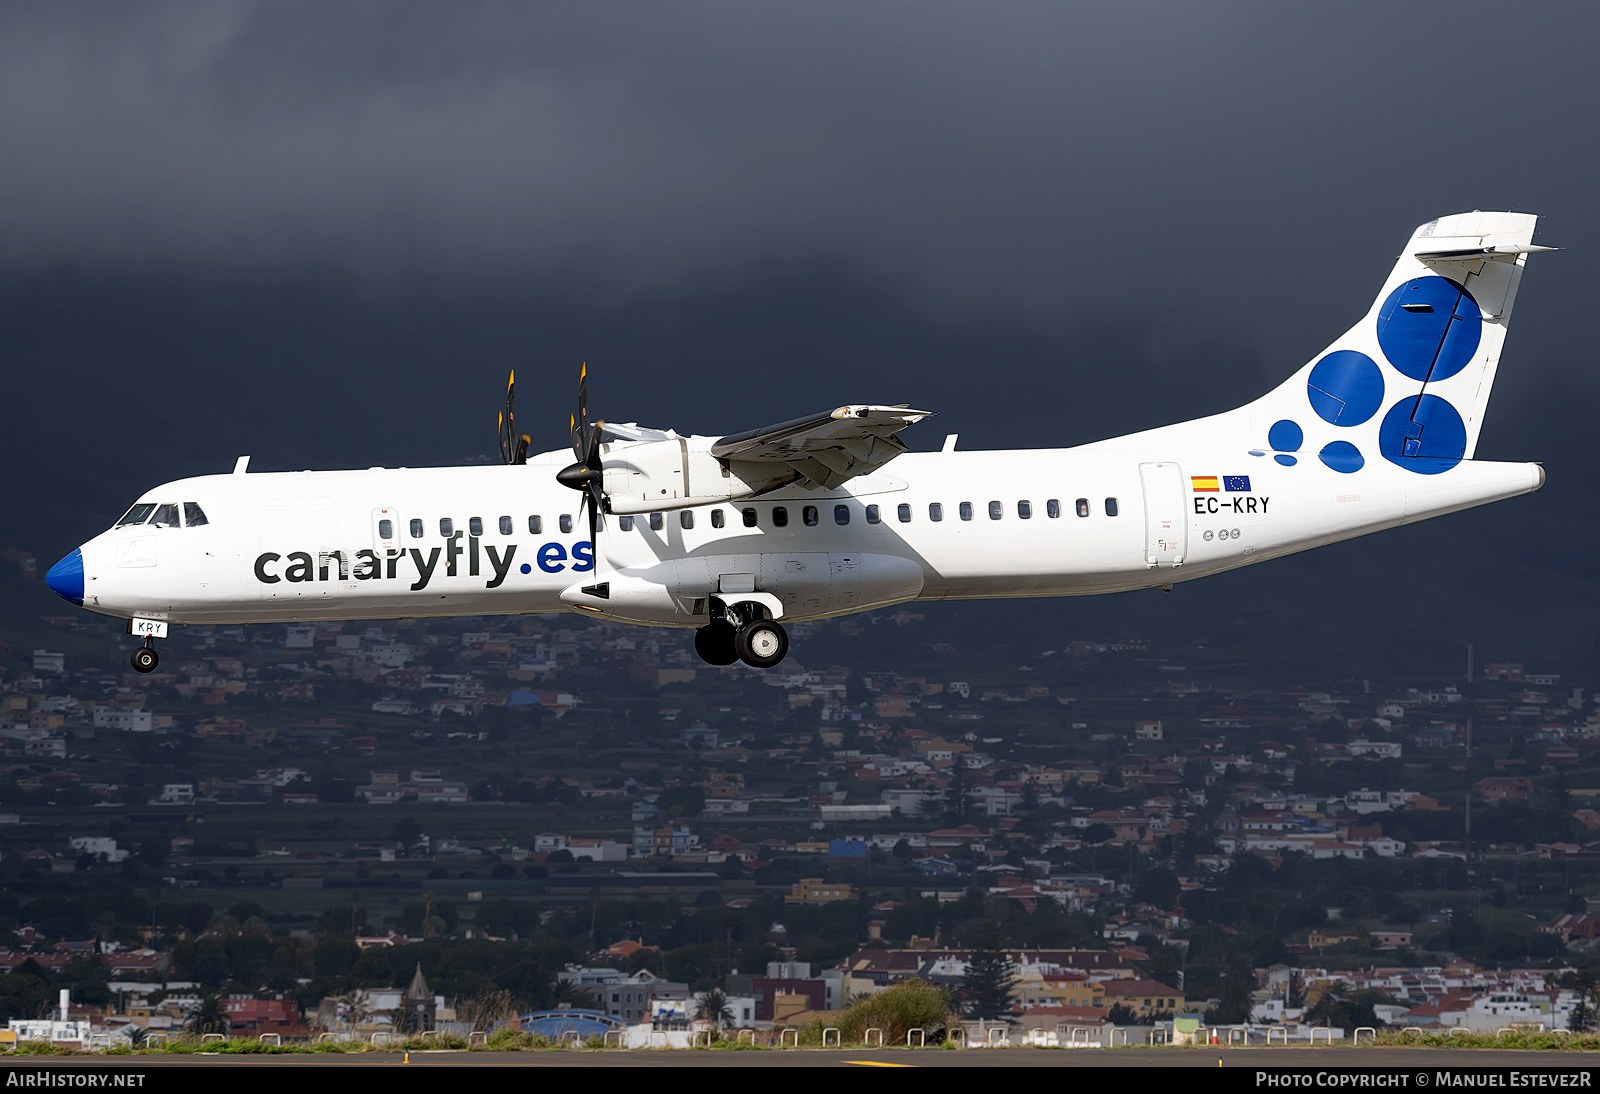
(874, 1063)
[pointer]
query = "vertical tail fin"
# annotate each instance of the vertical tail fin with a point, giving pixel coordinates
(1410, 382)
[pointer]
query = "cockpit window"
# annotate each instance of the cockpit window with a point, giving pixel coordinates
(138, 514)
(193, 515)
(166, 516)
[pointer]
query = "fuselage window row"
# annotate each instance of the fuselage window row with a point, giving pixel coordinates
(166, 515)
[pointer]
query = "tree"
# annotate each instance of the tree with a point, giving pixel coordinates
(956, 801)
(1582, 1018)
(1097, 833)
(990, 978)
(715, 1008)
(1158, 887)
(910, 1004)
(209, 1017)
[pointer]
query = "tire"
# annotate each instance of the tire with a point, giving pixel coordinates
(763, 644)
(716, 645)
(144, 659)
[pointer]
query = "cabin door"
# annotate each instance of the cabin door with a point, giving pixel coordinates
(1166, 531)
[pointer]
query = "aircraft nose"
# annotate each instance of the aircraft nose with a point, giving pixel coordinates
(66, 577)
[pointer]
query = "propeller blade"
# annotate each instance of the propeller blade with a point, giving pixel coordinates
(510, 452)
(587, 474)
(580, 421)
(596, 499)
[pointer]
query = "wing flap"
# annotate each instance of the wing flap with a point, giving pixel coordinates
(825, 449)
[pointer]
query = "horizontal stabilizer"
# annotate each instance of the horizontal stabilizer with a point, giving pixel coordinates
(1507, 252)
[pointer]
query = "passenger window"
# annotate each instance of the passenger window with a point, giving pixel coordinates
(657, 522)
(749, 518)
(966, 510)
(716, 518)
(686, 519)
(841, 514)
(1111, 507)
(565, 521)
(475, 526)
(872, 514)
(138, 514)
(1025, 509)
(996, 510)
(386, 529)
(505, 526)
(935, 511)
(1082, 505)
(780, 517)
(1052, 508)
(536, 525)
(625, 523)
(447, 527)
(416, 528)
(904, 513)
(166, 516)
(809, 515)
(193, 515)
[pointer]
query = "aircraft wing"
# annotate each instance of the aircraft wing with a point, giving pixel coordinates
(825, 449)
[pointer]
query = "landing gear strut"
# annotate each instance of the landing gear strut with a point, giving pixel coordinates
(741, 632)
(144, 658)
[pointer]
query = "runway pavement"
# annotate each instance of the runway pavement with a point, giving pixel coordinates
(1429, 1060)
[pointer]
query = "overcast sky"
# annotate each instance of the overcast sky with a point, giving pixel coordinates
(321, 232)
(1015, 155)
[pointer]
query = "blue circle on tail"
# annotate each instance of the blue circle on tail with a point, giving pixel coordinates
(1424, 434)
(1285, 436)
(1342, 456)
(1429, 328)
(1345, 388)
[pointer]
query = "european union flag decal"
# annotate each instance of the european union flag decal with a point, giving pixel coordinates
(1236, 484)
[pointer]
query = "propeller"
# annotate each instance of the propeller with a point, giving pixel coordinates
(586, 474)
(513, 449)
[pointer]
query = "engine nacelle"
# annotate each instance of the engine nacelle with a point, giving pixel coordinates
(678, 473)
(789, 585)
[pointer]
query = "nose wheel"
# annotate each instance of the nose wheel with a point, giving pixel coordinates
(144, 658)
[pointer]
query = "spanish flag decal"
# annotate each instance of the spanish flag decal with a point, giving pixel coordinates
(1204, 484)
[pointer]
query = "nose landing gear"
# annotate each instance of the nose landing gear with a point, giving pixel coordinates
(740, 632)
(145, 658)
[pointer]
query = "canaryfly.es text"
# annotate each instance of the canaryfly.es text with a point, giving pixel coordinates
(421, 566)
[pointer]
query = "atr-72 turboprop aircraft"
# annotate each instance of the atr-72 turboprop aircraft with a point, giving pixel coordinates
(828, 515)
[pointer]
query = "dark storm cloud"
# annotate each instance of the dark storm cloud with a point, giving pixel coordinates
(320, 233)
(1052, 156)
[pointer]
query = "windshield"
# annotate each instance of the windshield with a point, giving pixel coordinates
(138, 514)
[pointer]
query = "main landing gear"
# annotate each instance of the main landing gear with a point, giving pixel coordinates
(144, 658)
(741, 633)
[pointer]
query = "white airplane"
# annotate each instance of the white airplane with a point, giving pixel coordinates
(828, 515)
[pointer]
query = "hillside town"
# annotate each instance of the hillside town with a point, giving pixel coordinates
(457, 824)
